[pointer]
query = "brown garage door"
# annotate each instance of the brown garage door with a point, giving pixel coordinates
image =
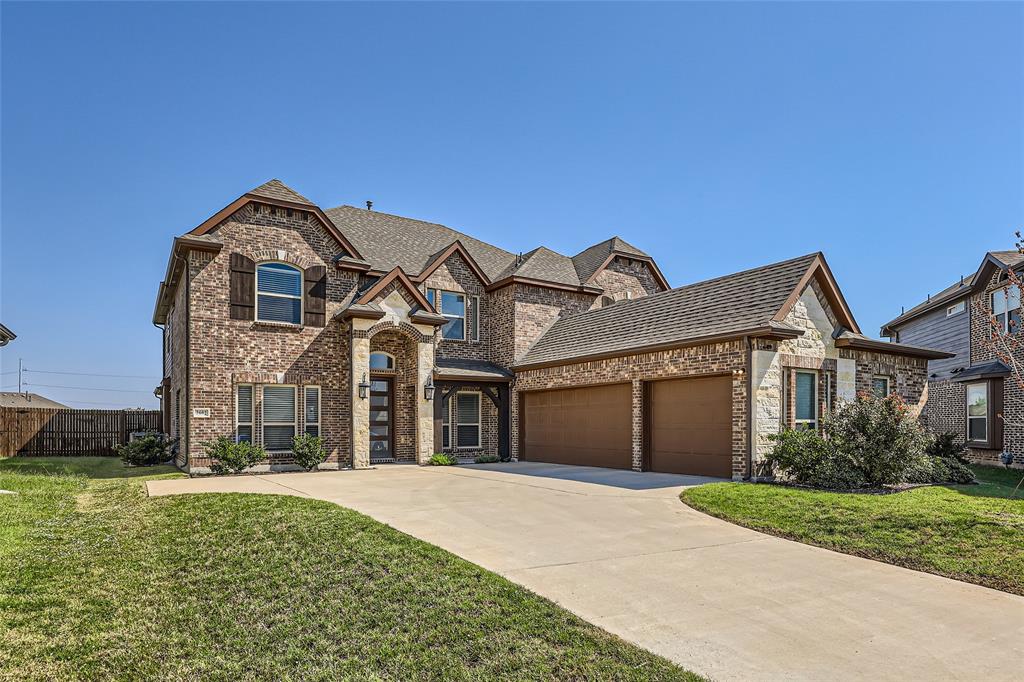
(588, 426)
(691, 426)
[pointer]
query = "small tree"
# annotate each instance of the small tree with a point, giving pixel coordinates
(309, 451)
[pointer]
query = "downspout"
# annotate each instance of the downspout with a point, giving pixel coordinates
(188, 362)
(751, 413)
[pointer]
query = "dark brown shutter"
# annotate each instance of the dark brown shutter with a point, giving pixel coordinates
(243, 288)
(316, 296)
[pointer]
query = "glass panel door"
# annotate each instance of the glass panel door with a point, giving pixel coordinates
(381, 419)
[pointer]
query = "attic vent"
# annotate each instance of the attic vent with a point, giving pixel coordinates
(607, 301)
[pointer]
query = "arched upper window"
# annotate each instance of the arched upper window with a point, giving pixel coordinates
(379, 360)
(278, 293)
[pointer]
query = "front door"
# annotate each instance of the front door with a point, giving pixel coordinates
(382, 432)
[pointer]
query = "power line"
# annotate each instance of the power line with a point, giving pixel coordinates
(91, 388)
(86, 402)
(87, 374)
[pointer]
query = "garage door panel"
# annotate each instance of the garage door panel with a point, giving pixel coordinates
(691, 426)
(589, 426)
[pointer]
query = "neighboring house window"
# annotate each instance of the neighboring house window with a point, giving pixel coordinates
(880, 386)
(379, 360)
(278, 417)
(278, 293)
(806, 401)
(467, 415)
(956, 308)
(312, 410)
(243, 413)
(1006, 308)
(446, 427)
(977, 412)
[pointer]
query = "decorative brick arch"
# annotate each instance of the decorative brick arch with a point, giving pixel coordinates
(282, 256)
(403, 328)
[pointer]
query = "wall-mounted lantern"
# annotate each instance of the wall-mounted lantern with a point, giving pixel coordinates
(428, 389)
(364, 387)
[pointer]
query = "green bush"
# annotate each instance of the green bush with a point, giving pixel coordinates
(944, 446)
(309, 451)
(880, 436)
(942, 462)
(153, 448)
(806, 458)
(441, 459)
(231, 457)
(487, 459)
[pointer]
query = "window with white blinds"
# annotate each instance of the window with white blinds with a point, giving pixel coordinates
(312, 410)
(278, 417)
(278, 293)
(467, 420)
(243, 413)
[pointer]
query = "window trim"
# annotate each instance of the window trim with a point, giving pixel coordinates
(300, 297)
(263, 420)
(252, 410)
(478, 423)
(817, 417)
(956, 308)
(888, 384)
(319, 417)
(987, 440)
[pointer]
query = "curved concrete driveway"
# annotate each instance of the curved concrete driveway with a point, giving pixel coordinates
(620, 550)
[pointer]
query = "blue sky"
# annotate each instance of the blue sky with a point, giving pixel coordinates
(715, 136)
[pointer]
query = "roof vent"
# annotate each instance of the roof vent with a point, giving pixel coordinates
(369, 205)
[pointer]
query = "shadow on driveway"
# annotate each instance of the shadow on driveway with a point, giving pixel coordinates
(614, 478)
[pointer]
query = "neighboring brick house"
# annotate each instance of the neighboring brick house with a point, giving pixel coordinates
(393, 338)
(971, 393)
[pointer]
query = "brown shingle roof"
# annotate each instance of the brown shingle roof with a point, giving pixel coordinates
(15, 399)
(715, 308)
(589, 260)
(275, 189)
(544, 264)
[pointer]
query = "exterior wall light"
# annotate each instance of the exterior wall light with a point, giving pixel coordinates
(364, 387)
(428, 389)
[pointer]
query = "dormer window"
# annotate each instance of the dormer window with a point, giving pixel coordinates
(278, 293)
(1006, 308)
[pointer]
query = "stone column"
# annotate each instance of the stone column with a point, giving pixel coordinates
(424, 407)
(360, 406)
(846, 379)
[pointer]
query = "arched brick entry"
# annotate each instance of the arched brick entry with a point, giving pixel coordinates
(402, 383)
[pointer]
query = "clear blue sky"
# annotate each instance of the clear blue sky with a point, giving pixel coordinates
(715, 136)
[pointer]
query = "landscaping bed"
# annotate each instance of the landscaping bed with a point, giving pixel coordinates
(973, 533)
(99, 581)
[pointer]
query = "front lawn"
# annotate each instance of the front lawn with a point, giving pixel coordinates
(98, 581)
(968, 532)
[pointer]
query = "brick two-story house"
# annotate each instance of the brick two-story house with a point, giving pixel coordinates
(393, 338)
(971, 392)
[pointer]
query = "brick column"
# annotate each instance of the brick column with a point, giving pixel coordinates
(360, 406)
(638, 425)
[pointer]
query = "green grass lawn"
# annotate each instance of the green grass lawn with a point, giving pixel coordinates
(98, 581)
(968, 532)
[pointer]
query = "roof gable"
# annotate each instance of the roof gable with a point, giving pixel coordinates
(591, 261)
(398, 277)
(818, 270)
(439, 259)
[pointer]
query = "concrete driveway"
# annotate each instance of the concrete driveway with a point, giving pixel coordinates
(619, 549)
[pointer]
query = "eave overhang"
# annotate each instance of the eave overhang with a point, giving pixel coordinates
(514, 279)
(879, 346)
(818, 269)
(632, 256)
(990, 370)
(175, 266)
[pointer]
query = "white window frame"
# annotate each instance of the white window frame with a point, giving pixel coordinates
(437, 302)
(956, 308)
(263, 419)
(319, 416)
(391, 357)
(797, 422)
(988, 409)
(478, 424)
(300, 297)
(252, 413)
(1005, 293)
(888, 384)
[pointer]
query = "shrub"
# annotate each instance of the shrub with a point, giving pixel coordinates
(309, 451)
(441, 459)
(806, 458)
(153, 448)
(944, 446)
(879, 435)
(943, 462)
(487, 459)
(232, 457)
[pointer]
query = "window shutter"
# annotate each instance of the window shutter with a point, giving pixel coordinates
(316, 296)
(474, 318)
(243, 287)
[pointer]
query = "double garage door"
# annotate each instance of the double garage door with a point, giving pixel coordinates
(689, 426)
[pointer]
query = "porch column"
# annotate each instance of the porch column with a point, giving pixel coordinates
(360, 406)
(424, 408)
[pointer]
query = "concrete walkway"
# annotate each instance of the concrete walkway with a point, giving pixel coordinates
(619, 549)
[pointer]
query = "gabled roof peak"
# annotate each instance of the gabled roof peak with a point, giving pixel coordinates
(275, 189)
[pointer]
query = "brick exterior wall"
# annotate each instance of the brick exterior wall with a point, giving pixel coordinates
(696, 361)
(455, 275)
(535, 309)
(625, 278)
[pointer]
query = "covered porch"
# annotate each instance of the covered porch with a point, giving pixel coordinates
(471, 409)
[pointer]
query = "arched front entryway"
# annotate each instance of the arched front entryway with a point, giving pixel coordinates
(392, 397)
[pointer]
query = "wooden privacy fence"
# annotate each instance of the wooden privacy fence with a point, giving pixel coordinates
(39, 432)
